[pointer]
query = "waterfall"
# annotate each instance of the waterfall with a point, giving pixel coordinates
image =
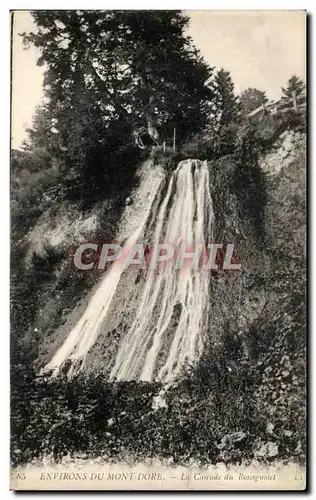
(84, 335)
(170, 324)
(158, 345)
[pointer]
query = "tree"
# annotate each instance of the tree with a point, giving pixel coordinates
(294, 84)
(109, 72)
(226, 105)
(42, 135)
(251, 99)
(124, 62)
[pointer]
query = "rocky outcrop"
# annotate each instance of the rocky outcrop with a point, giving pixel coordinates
(283, 152)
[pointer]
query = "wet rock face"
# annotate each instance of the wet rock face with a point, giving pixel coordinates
(140, 198)
(284, 152)
(149, 178)
(101, 356)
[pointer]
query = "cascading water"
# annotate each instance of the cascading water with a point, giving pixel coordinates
(171, 320)
(83, 336)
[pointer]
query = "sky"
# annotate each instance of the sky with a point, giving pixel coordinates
(261, 49)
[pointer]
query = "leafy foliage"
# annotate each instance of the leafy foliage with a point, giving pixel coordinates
(108, 73)
(294, 84)
(251, 99)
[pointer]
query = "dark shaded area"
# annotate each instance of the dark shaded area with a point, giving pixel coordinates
(249, 183)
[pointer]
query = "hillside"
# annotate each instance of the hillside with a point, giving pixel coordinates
(246, 394)
(125, 349)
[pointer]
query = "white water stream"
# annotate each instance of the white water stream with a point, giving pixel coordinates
(171, 319)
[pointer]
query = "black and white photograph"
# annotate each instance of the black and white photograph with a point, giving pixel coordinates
(158, 208)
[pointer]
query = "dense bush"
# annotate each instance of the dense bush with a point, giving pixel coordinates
(212, 415)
